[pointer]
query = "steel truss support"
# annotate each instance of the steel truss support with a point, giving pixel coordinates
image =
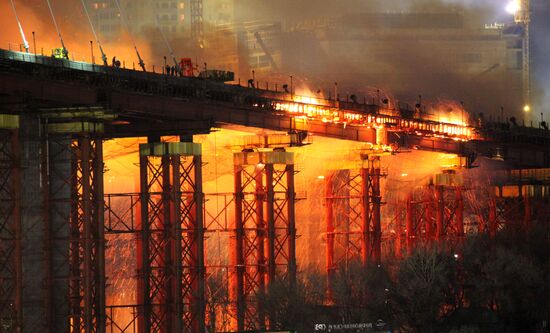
(171, 287)
(265, 233)
(353, 217)
(434, 214)
(10, 232)
(74, 226)
(512, 207)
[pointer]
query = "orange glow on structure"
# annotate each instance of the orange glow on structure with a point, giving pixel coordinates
(447, 119)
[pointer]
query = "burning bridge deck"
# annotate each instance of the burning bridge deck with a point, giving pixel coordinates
(161, 102)
(147, 104)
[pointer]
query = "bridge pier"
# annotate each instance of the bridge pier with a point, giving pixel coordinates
(264, 221)
(11, 309)
(74, 239)
(353, 217)
(171, 281)
(423, 228)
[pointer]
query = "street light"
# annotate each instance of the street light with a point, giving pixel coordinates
(513, 7)
(291, 89)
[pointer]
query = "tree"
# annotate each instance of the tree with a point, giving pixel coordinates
(422, 289)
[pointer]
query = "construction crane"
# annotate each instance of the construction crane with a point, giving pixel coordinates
(25, 42)
(522, 16)
(124, 19)
(103, 55)
(61, 53)
(266, 51)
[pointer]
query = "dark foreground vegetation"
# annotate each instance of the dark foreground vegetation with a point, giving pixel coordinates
(484, 285)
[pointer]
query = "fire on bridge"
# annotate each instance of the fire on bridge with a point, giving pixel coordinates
(187, 232)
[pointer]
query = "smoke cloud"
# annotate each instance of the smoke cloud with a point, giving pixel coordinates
(345, 52)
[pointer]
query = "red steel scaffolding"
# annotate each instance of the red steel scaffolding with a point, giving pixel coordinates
(10, 228)
(353, 203)
(171, 286)
(265, 233)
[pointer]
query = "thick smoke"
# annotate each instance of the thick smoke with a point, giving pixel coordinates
(74, 28)
(346, 53)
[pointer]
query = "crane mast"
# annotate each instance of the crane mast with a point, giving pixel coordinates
(523, 17)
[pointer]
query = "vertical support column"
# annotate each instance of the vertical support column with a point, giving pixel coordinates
(99, 237)
(376, 202)
(291, 214)
(75, 316)
(371, 229)
(329, 221)
(366, 188)
(143, 269)
(440, 213)
(265, 233)
(459, 214)
(89, 258)
(428, 215)
(175, 285)
(191, 226)
(166, 239)
(10, 232)
(492, 217)
(59, 175)
(85, 214)
(270, 219)
(527, 213)
(237, 283)
(410, 216)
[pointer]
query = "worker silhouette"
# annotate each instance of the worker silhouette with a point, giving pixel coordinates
(251, 83)
(167, 69)
(116, 63)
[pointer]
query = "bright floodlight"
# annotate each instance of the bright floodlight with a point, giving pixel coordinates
(526, 108)
(513, 7)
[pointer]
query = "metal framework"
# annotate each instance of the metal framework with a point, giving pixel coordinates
(171, 287)
(434, 214)
(265, 233)
(10, 232)
(75, 250)
(353, 203)
(218, 217)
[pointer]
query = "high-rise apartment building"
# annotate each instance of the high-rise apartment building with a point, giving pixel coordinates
(141, 17)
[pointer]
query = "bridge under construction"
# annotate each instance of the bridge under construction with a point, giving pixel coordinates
(197, 258)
